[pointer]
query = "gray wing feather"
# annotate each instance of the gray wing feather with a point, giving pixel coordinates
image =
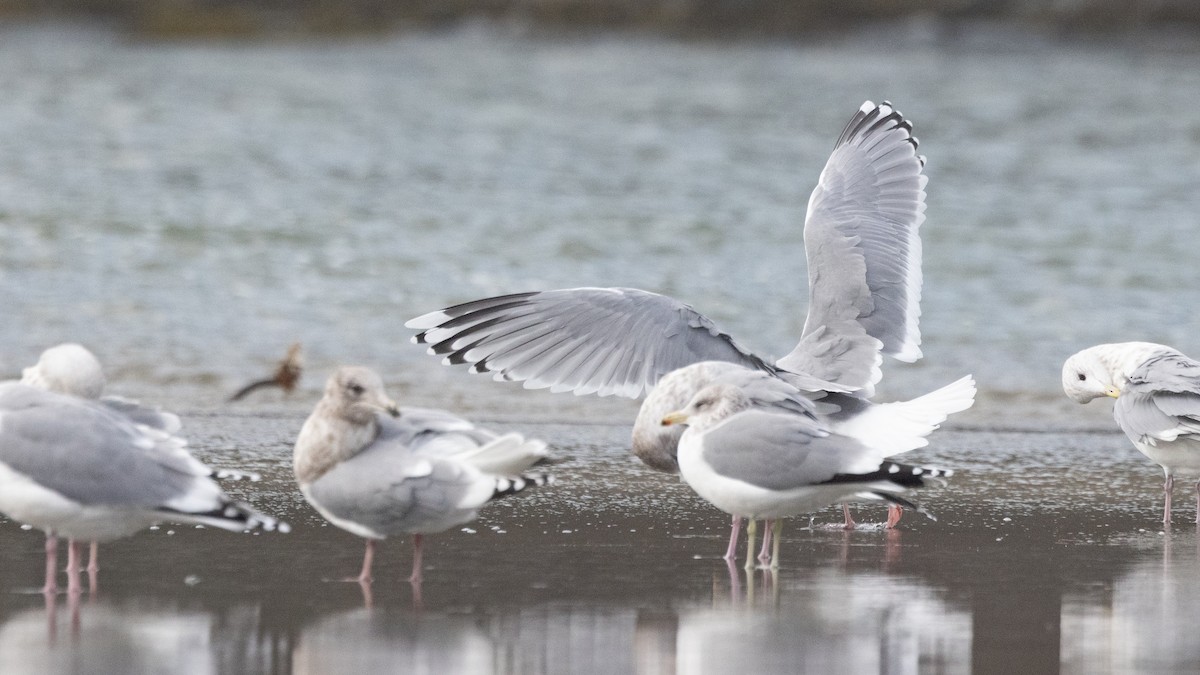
(140, 414)
(88, 453)
(864, 253)
(390, 490)
(586, 340)
(1161, 399)
(419, 429)
(781, 451)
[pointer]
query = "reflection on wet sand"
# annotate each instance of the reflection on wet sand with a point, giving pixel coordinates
(1145, 621)
(830, 622)
(371, 641)
(98, 637)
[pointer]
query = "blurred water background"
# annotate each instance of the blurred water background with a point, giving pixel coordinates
(188, 208)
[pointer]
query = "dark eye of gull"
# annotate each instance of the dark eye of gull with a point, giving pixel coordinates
(1082, 377)
(356, 389)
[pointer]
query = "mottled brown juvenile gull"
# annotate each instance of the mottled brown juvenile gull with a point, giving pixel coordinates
(759, 463)
(376, 470)
(1157, 392)
(864, 269)
(76, 468)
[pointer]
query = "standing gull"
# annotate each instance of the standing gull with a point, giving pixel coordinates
(376, 470)
(77, 468)
(1157, 392)
(864, 269)
(757, 463)
(70, 368)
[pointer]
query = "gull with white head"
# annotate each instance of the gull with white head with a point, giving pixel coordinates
(72, 369)
(1157, 392)
(377, 470)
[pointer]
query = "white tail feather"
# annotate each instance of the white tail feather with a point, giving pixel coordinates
(893, 428)
(506, 455)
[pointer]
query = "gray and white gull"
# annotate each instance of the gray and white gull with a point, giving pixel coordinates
(758, 463)
(377, 470)
(77, 468)
(72, 369)
(864, 268)
(1157, 392)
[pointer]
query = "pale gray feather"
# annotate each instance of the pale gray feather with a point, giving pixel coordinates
(781, 451)
(1162, 395)
(586, 340)
(864, 253)
(153, 417)
(391, 490)
(88, 453)
(95, 456)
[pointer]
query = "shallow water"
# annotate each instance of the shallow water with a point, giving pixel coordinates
(1033, 566)
(189, 210)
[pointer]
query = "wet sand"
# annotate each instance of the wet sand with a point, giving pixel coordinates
(1047, 556)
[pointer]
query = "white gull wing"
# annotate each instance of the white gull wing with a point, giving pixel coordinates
(601, 341)
(864, 253)
(1161, 400)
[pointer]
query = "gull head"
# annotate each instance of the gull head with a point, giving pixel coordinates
(709, 406)
(1104, 370)
(68, 369)
(356, 394)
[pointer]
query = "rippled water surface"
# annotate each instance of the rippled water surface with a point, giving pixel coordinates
(188, 210)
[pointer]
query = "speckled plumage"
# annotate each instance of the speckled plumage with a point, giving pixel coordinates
(378, 470)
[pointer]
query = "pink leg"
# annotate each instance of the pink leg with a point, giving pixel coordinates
(51, 586)
(764, 553)
(368, 557)
(734, 530)
(849, 520)
(368, 597)
(74, 553)
(93, 568)
(416, 573)
(1167, 499)
(893, 517)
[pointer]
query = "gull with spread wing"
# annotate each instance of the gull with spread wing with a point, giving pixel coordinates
(864, 269)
